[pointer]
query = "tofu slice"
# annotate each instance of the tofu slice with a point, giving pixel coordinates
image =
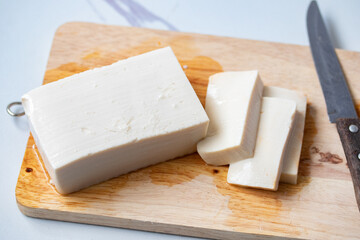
(108, 121)
(233, 105)
(264, 168)
(290, 168)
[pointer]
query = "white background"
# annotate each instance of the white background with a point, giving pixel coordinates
(26, 32)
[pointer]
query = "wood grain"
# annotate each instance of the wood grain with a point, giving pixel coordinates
(185, 196)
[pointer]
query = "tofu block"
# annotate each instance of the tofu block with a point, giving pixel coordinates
(108, 121)
(291, 160)
(233, 105)
(264, 168)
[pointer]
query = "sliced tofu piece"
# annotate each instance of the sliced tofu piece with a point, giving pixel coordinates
(233, 105)
(291, 160)
(264, 168)
(108, 121)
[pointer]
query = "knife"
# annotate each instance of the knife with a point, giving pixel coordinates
(339, 104)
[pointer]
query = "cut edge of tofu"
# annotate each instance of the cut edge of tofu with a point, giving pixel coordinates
(249, 135)
(289, 173)
(274, 185)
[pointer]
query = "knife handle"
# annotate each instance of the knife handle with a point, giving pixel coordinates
(349, 132)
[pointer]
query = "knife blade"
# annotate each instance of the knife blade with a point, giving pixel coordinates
(339, 104)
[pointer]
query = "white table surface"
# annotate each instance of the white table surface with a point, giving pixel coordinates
(26, 32)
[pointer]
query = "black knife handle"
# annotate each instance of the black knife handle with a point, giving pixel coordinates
(349, 132)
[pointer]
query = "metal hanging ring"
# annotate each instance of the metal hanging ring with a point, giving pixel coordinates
(14, 114)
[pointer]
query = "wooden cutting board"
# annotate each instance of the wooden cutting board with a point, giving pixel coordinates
(185, 196)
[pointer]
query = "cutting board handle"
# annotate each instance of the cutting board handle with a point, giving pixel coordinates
(349, 132)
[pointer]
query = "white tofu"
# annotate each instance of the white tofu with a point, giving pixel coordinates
(108, 121)
(290, 168)
(264, 168)
(233, 105)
